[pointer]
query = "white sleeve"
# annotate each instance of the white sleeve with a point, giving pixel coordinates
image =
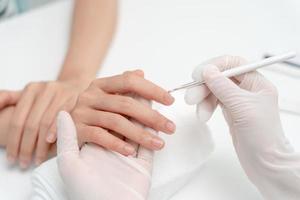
(276, 173)
(47, 183)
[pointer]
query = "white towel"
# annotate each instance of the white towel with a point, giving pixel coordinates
(174, 166)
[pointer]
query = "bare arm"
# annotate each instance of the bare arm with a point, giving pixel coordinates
(93, 26)
(33, 126)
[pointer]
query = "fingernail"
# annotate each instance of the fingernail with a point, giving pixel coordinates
(24, 164)
(51, 138)
(11, 160)
(157, 143)
(168, 99)
(129, 149)
(170, 126)
(211, 72)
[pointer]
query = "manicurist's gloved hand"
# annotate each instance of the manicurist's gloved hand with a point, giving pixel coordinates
(94, 173)
(249, 103)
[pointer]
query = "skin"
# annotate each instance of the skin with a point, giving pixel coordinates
(33, 127)
(109, 114)
(5, 117)
(105, 108)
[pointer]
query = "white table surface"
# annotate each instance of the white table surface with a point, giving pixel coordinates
(166, 38)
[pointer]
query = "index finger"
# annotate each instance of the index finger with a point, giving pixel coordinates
(130, 82)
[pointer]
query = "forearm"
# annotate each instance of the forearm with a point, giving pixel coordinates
(275, 172)
(283, 180)
(92, 30)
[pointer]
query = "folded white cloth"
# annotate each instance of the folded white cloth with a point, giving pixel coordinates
(174, 166)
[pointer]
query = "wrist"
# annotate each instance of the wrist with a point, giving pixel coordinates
(78, 76)
(82, 69)
(75, 76)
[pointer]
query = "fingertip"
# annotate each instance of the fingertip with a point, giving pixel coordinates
(157, 143)
(168, 99)
(191, 96)
(37, 162)
(11, 159)
(203, 115)
(196, 94)
(170, 127)
(51, 138)
(24, 164)
(128, 150)
(211, 72)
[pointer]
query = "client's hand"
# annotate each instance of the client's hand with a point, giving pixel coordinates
(33, 120)
(94, 173)
(9, 98)
(104, 110)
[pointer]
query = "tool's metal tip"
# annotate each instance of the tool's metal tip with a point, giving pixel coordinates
(173, 90)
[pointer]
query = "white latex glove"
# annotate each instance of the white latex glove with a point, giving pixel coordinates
(94, 173)
(249, 103)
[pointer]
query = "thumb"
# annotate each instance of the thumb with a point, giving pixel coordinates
(66, 135)
(222, 87)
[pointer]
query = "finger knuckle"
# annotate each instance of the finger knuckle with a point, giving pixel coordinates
(77, 113)
(91, 135)
(85, 97)
(114, 120)
(116, 145)
(126, 73)
(45, 123)
(143, 137)
(51, 86)
(97, 83)
(25, 153)
(139, 71)
(126, 103)
(31, 127)
(129, 80)
(34, 85)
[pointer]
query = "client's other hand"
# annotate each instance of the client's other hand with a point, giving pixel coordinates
(32, 127)
(9, 98)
